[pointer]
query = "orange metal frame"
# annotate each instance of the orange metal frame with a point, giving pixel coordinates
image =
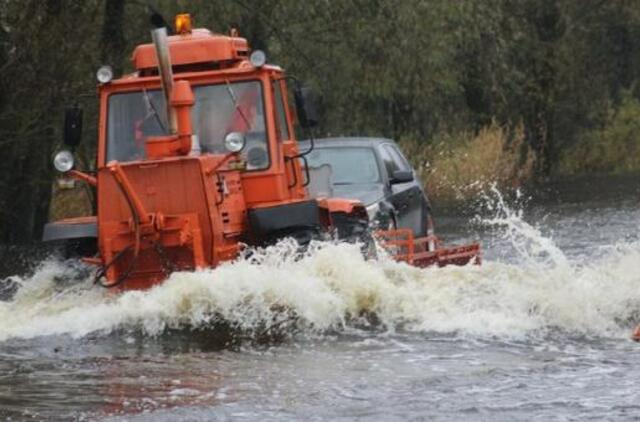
(404, 246)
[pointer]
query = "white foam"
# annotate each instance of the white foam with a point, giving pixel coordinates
(546, 292)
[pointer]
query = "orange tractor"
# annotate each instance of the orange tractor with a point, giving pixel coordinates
(196, 158)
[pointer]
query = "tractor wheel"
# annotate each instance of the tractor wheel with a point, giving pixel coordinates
(302, 235)
(79, 248)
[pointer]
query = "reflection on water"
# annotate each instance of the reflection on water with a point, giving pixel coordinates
(123, 374)
(541, 328)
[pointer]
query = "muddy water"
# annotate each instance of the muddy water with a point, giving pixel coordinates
(540, 331)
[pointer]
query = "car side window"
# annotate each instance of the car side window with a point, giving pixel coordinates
(399, 160)
(390, 164)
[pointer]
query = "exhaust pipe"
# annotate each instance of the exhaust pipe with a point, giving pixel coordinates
(161, 44)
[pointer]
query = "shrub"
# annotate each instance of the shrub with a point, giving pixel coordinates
(458, 166)
(70, 202)
(612, 148)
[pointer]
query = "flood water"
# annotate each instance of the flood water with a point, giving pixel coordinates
(540, 331)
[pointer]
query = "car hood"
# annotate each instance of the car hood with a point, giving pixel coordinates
(367, 194)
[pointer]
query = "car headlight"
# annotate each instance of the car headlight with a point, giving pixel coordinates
(234, 141)
(372, 210)
(63, 161)
(380, 216)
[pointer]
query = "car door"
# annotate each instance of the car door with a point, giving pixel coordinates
(397, 194)
(407, 195)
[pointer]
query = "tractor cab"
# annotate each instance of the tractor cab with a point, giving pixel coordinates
(238, 99)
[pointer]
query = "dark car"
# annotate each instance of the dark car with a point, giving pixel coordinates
(374, 171)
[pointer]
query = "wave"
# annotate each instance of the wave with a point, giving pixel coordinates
(333, 288)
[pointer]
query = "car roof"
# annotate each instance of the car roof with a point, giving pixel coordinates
(346, 141)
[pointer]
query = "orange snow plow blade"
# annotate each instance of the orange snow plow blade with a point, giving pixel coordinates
(426, 251)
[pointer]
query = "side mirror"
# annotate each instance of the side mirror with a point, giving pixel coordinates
(401, 176)
(306, 106)
(73, 127)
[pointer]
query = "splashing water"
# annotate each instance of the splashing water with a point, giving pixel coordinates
(333, 284)
(531, 245)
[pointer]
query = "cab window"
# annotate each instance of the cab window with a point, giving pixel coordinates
(232, 107)
(219, 110)
(283, 129)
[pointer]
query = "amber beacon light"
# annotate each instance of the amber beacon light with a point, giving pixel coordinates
(183, 23)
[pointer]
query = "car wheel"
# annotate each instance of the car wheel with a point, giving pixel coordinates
(389, 223)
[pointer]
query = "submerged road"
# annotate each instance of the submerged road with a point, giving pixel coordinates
(539, 332)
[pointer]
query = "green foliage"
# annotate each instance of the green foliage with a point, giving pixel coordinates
(38, 78)
(613, 148)
(561, 73)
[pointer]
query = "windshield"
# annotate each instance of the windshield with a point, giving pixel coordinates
(219, 109)
(348, 166)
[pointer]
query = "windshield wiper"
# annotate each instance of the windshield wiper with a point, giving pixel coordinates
(232, 94)
(151, 110)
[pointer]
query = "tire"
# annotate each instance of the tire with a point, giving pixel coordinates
(302, 235)
(393, 225)
(79, 248)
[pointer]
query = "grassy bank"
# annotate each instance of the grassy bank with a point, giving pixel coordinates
(458, 166)
(69, 201)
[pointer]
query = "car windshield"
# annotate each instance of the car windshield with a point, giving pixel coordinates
(348, 165)
(219, 110)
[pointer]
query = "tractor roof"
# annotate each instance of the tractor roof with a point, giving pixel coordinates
(194, 48)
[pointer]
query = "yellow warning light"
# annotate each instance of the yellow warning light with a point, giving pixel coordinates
(183, 23)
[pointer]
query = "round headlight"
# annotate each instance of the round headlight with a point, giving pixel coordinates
(63, 161)
(258, 58)
(104, 74)
(234, 141)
